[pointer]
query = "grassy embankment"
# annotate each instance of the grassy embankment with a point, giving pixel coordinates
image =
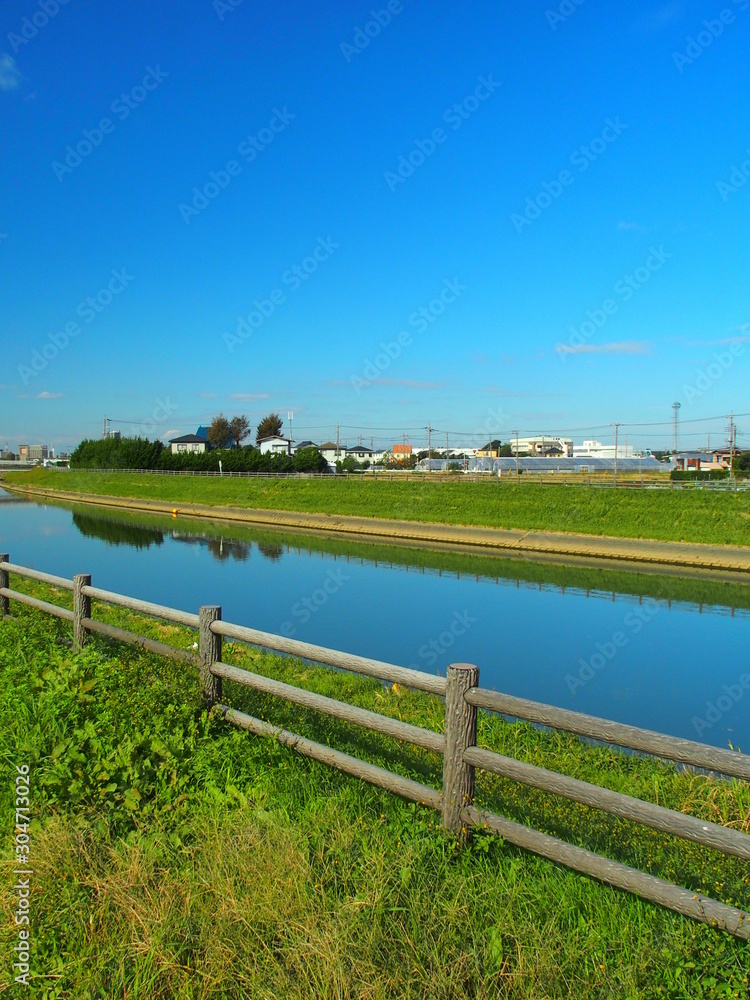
(178, 857)
(662, 515)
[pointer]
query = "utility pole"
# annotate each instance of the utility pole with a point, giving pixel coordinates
(676, 423)
(617, 427)
(338, 442)
(517, 472)
(732, 439)
(429, 447)
(447, 451)
(290, 418)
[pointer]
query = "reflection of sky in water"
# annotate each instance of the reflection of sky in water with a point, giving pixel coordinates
(620, 656)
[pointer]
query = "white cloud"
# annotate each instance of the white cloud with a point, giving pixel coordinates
(623, 347)
(48, 395)
(10, 75)
(248, 397)
(629, 227)
(207, 395)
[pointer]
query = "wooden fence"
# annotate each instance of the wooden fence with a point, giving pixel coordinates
(457, 744)
(604, 478)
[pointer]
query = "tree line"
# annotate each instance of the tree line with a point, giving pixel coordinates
(225, 436)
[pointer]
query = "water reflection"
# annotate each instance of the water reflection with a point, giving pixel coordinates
(221, 548)
(117, 532)
(535, 628)
(601, 583)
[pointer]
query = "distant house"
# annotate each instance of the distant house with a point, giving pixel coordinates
(361, 452)
(189, 444)
(701, 461)
(490, 450)
(275, 444)
(401, 451)
(304, 444)
(332, 452)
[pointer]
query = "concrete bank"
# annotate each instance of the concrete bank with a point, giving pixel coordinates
(682, 554)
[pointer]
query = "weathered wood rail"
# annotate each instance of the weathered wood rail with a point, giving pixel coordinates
(457, 744)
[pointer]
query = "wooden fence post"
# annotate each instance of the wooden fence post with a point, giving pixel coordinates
(210, 653)
(4, 582)
(460, 733)
(81, 609)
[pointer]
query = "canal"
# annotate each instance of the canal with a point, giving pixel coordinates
(663, 652)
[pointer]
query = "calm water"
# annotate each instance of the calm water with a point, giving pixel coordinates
(649, 650)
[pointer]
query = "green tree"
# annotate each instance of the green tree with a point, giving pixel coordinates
(350, 464)
(220, 432)
(240, 429)
(269, 426)
(309, 460)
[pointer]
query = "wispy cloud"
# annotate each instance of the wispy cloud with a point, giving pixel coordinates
(48, 395)
(247, 397)
(207, 395)
(718, 343)
(398, 383)
(507, 394)
(629, 227)
(623, 347)
(168, 434)
(10, 75)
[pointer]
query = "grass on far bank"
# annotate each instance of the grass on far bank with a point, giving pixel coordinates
(178, 857)
(703, 516)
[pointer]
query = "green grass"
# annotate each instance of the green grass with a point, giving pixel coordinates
(665, 515)
(178, 857)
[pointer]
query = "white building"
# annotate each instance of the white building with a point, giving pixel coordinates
(275, 444)
(360, 452)
(332, 452)
(545, 446)
(595, 449)
(188, 444)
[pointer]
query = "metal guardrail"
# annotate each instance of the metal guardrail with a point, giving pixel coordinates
(457, 744)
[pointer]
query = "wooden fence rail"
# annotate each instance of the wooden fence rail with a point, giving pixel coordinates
(457, 744)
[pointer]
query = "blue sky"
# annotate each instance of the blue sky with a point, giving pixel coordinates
(510, 171)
